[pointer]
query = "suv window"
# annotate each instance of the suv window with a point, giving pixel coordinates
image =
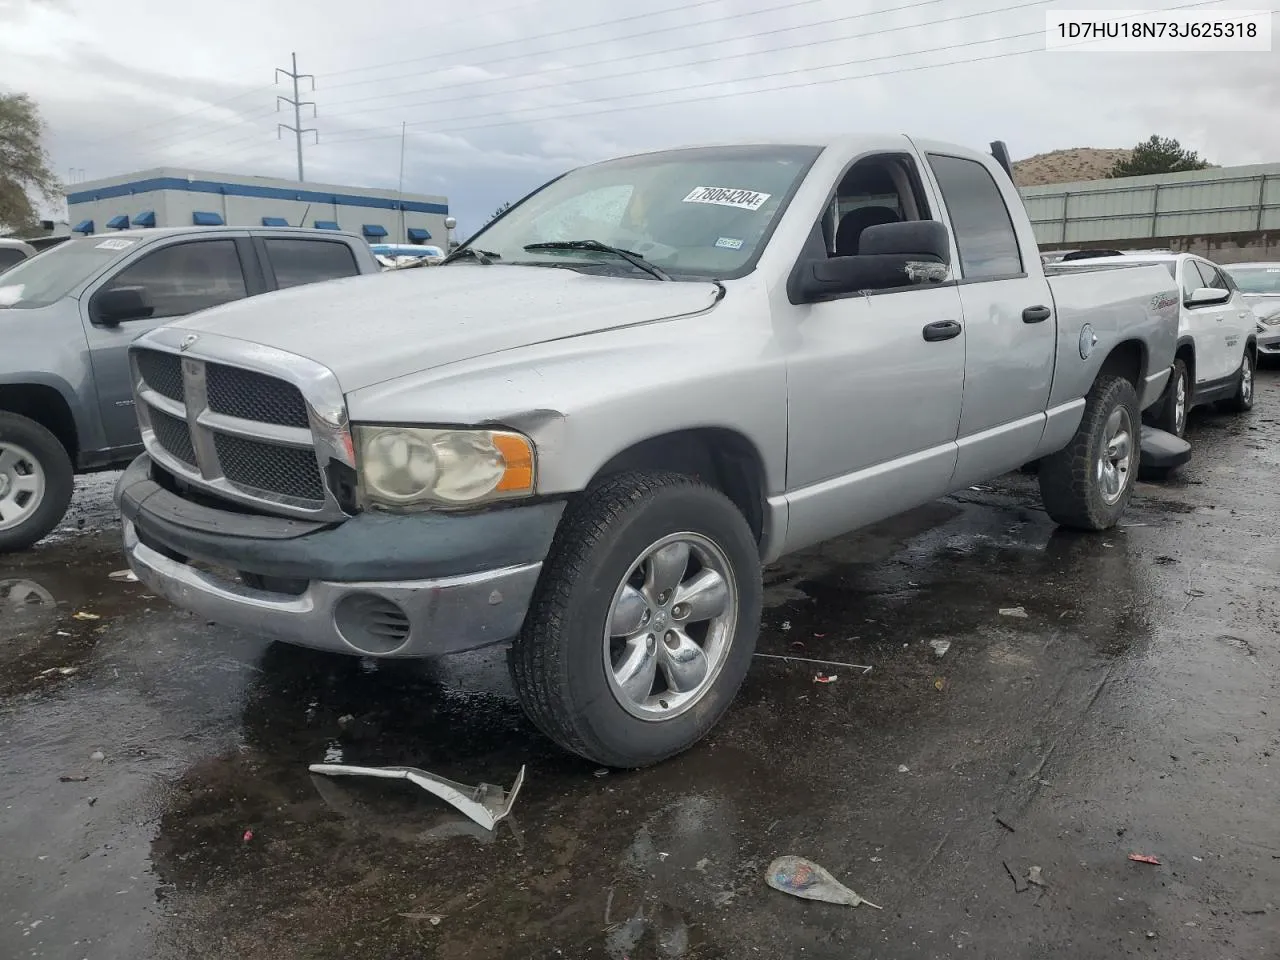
(185, 277)
(983, 229)
(9, 256)
(1212, 276)
(296, 262)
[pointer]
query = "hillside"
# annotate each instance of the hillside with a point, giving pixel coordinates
(1066, 166)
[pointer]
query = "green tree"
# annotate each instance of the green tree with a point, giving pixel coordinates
(24, 164)
(1157, 155)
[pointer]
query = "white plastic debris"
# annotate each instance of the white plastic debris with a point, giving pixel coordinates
(940, 647)
(485, 803)
(98, 756)
(806, 879)
(903, 768)
(1018, 612)
(124, 576)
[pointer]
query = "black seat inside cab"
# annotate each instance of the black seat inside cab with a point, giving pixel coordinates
(855, 221)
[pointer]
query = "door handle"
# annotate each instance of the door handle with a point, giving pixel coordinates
(941, 330)
(1036, 314)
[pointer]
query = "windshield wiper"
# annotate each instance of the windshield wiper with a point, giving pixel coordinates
(480, 256)
(631, 257)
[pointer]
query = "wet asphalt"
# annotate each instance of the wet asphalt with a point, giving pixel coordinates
(156, 802)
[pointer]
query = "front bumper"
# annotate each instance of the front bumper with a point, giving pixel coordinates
(1269, 340)
(376, 585)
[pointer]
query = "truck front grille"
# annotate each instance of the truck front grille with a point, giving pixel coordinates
(238, 432)
(255, 396)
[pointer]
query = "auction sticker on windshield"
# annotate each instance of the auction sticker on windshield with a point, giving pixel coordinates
(118, 244)
(728, 197)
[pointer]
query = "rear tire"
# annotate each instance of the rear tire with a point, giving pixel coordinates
(1087, 485)
(1170, 414)
(604, 664)
(36, 480)
(1242, 400)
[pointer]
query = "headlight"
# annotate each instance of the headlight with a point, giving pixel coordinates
(1271, 321)
(409, 466)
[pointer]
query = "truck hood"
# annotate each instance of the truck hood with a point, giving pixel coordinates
(378, 327)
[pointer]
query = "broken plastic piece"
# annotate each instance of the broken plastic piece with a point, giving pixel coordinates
(1018, 612)
(1143, 858)
(805, 879)
(485, 803)
(248, 835)
(824, 678)
(1035, 876)
(82, 615)
(123, 576)
(940, 647)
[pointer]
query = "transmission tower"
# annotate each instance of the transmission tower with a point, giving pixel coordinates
(297, 103)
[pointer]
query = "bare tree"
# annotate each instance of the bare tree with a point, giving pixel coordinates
(24, 164)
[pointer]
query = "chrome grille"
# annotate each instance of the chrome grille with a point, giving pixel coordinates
(163, 373)
(269, 467)
(250, 395)
(174, 435)
(239, 433)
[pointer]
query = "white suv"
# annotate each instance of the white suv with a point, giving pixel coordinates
(1217, 339)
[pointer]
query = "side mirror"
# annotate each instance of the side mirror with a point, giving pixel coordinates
(890, 255)
(1208, 296)
(115, 305)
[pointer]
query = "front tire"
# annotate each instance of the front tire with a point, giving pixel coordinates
(36, 480)
(1170, 414)
(1242, 400)
(644, 622)
(1087, 485)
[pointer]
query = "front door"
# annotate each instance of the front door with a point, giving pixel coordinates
(1234, 319)
(1204, 323)
(1009, 326)
(179, 278)
(874, 399)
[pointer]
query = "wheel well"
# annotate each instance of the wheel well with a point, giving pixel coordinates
(1128, 360)
(1187, 354)
(46, 407)
(721, 458)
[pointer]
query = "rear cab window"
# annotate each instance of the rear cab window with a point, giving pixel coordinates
(296, 261)
(984, 233)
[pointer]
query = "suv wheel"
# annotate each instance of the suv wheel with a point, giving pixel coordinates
(1242, 400)
(36, 480)
(644, 621)
(1170, 414)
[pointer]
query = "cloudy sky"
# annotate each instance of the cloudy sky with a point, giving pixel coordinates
(498, 101)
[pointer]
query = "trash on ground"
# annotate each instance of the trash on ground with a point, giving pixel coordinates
(826, 678)
(602, 772)
(940, 684)
(1036, 876)
(433, 918)
(73, 779)
(1006, 824)
(807, 880)
(64, 671)
(822, 663)
(1019, 612)
(248, 835)
(1019, 885)
(85, 615)
(98, 755)
(940, 647)
(786, 624)
(1144, 858)
(903, 768)
(123, 576)
(485, 803)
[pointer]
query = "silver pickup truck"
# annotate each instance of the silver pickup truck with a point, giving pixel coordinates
(588, 430)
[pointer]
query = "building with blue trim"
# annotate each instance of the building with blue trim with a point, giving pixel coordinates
(172, 197)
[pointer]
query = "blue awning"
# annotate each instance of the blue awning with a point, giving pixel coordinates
(374, 230)
(202, 218)
(84, 226)
(274, 222)
(419, 234)
(327, 225)
(119, 222)
(147, 218)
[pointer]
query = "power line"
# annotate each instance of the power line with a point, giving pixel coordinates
(719, 58)
(155, 123)
(767, 76)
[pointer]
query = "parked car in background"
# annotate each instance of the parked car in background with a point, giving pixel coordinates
(67, 317)
(1218, 339)
(1259, 283)
(13, 252)
(588, 429)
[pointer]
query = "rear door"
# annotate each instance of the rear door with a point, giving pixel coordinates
(295, 261)
(1010, 329)
(179, 277)
(1234, 318)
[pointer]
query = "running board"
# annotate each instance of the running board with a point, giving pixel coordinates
(1162, 452)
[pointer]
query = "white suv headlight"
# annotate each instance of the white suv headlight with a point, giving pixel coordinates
(405, 467)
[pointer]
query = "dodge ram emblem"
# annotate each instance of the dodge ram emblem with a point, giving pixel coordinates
(188, 340)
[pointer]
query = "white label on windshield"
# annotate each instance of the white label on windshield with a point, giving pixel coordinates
(728, 197)
(116, 244)
(729, 243)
